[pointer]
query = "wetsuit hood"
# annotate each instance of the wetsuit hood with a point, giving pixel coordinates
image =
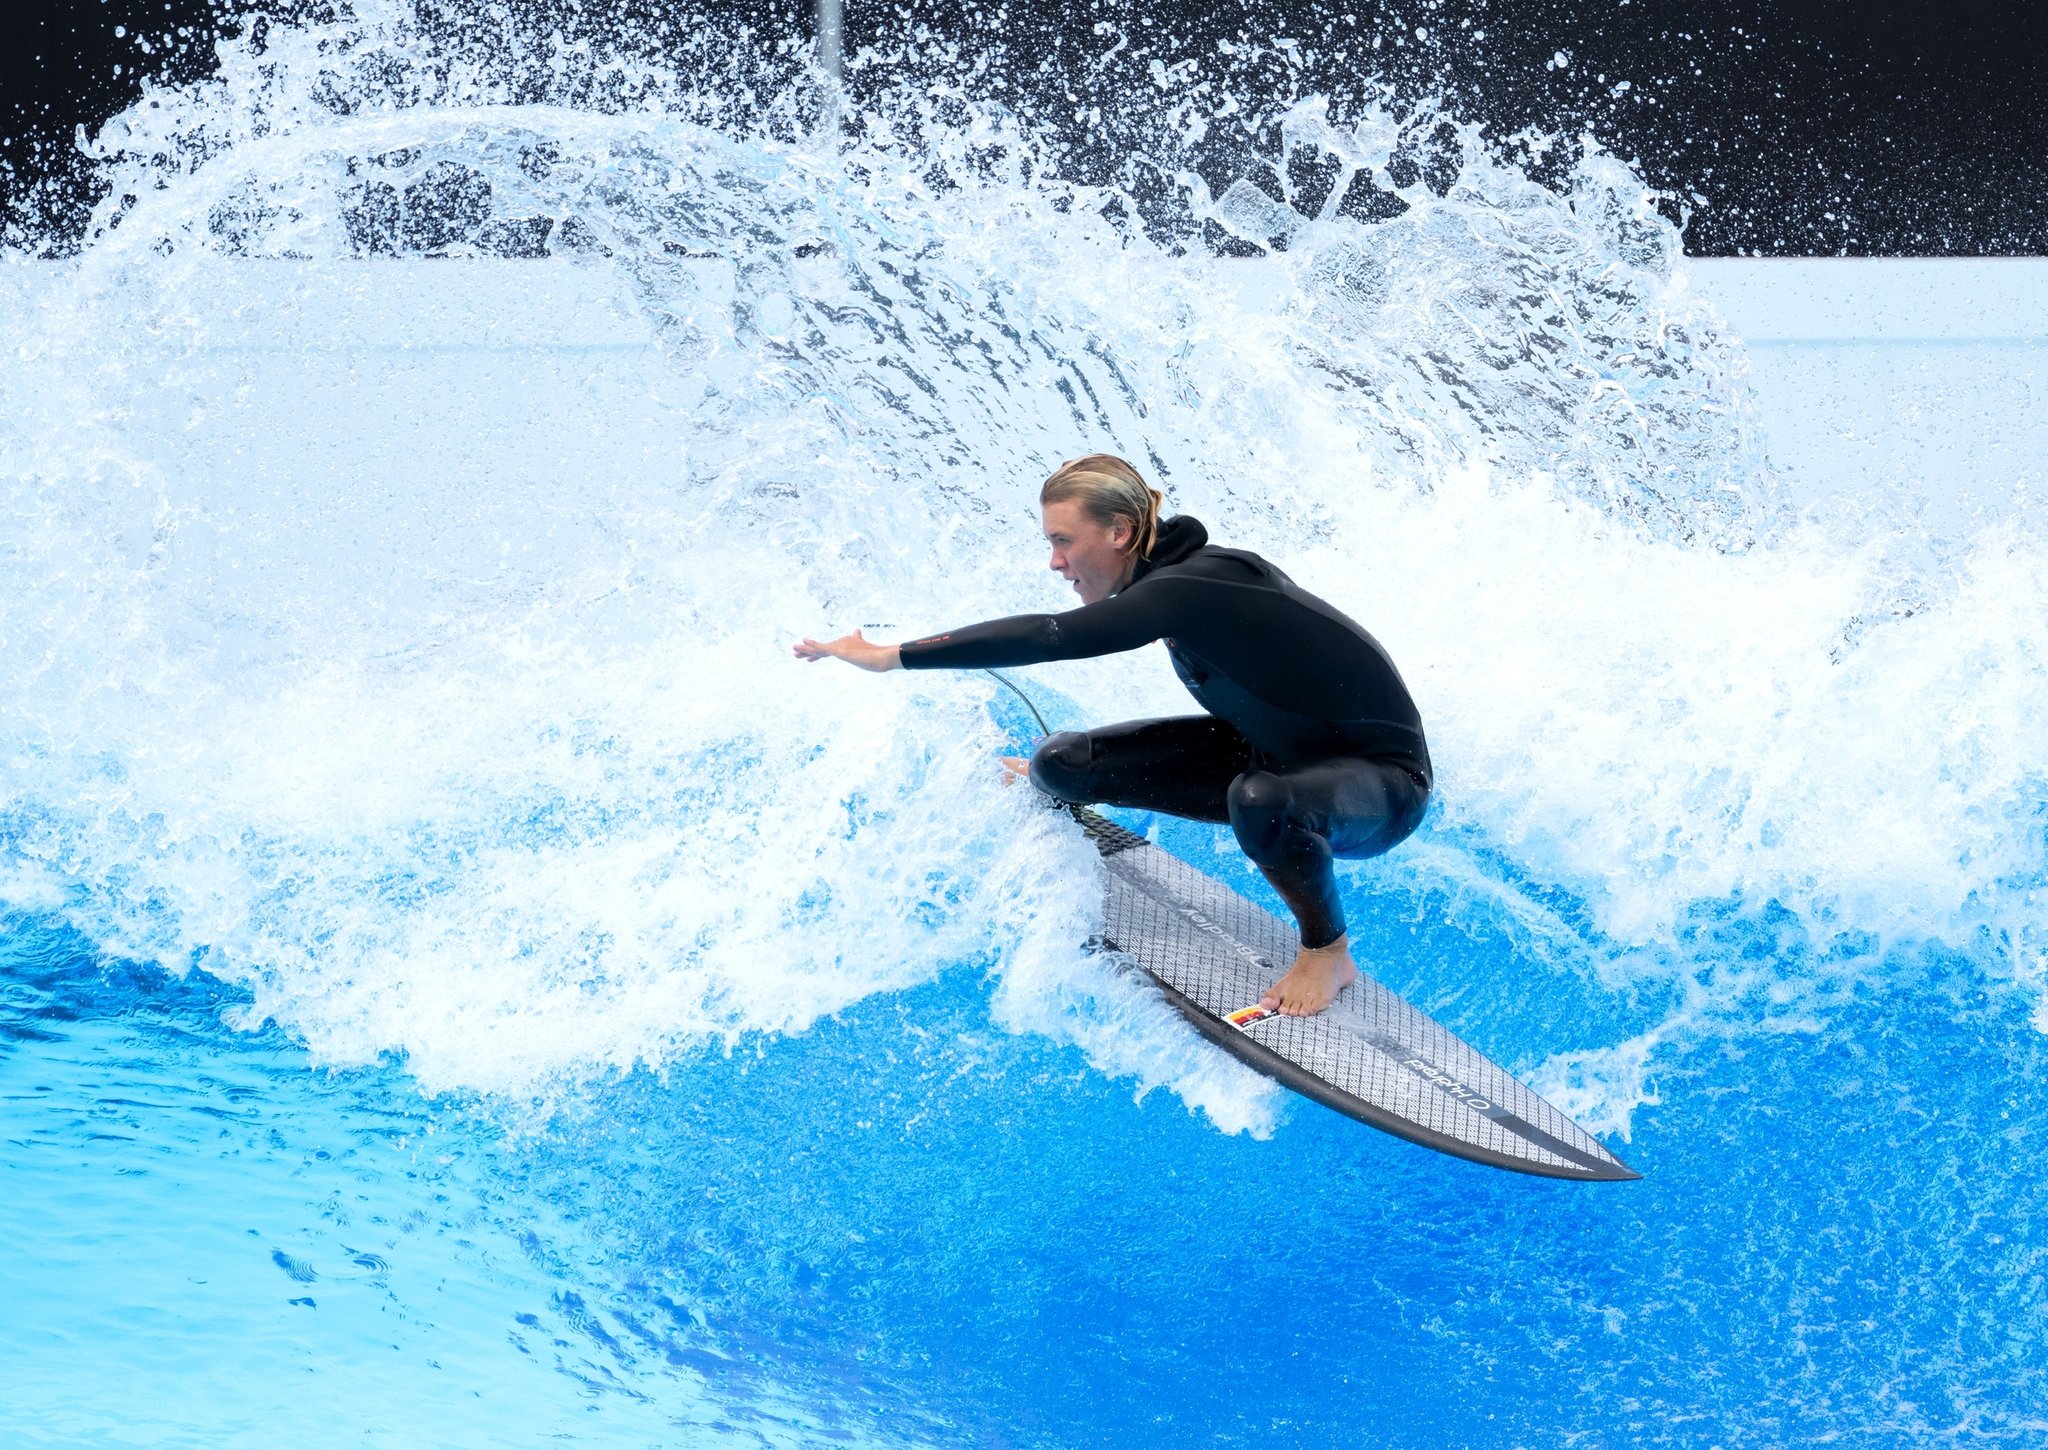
(1178, 538)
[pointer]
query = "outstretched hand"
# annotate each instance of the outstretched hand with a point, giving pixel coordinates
(854, 650)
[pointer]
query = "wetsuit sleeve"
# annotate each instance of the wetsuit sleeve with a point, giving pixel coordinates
(1124, 621)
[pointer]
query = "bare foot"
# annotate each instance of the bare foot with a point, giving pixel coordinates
(1313, 982)
(1015, 768)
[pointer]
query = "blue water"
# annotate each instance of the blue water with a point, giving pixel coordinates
(903, 1227)
(464, 983)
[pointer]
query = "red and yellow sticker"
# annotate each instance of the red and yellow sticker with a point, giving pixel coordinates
(1244, 1017)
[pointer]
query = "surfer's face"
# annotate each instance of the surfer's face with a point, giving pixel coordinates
(1094, 559)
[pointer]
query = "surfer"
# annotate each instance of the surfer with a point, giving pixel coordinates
(1311, 747)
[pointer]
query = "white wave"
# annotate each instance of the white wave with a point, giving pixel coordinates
(420, 662)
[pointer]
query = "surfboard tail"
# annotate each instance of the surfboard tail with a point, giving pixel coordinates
(1370, 1056)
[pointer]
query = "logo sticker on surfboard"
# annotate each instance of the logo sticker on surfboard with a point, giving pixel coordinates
(1244, 1017)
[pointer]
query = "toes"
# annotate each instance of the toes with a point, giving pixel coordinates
(1303, 992)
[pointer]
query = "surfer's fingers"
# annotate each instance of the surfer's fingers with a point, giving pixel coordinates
(812, 649)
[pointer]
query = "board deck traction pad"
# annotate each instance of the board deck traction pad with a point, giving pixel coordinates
(1370, 1056)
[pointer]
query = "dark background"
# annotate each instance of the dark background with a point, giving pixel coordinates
(1809, 127)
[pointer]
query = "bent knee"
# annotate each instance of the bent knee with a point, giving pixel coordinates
(1259, 803)
(1059, 766)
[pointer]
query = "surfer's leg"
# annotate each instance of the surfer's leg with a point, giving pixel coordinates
(1181, 766)
(1296, 860)
(1291, 823)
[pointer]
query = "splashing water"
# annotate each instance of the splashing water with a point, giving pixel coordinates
(410, 491)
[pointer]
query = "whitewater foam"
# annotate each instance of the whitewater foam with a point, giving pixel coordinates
(400, 631)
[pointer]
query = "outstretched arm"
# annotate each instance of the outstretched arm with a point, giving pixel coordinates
(855, 650)
(1124, 621)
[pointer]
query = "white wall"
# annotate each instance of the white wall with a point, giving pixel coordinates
(1920, 378)
(1917, 379)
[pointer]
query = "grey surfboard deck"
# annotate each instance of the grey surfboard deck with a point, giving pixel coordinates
(1370, 1056)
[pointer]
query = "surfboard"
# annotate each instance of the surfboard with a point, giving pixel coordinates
(1370, 1056)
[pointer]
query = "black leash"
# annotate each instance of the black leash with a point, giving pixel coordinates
(1014, 688)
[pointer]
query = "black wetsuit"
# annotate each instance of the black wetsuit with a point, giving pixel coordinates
(1311, 747)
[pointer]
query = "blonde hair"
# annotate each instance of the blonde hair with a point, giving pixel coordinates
(1108, 489)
